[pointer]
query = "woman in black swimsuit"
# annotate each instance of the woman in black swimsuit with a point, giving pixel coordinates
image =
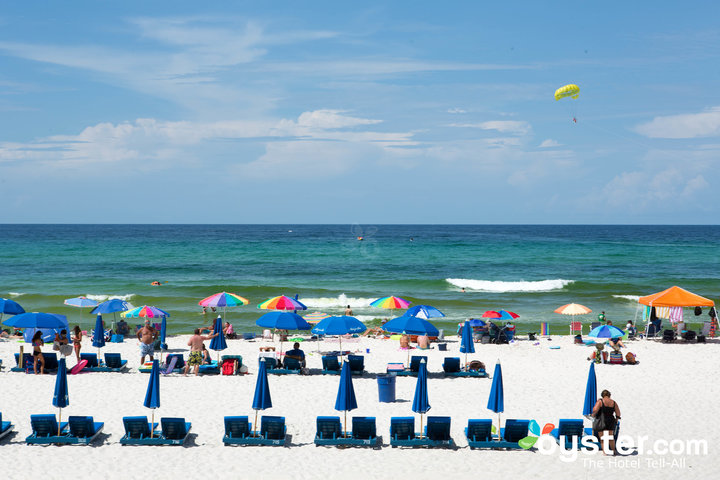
(37, 343)
(609, 409)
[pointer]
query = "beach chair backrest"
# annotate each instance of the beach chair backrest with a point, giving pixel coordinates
(451, 364)
(27, 360)
(180, 360)
(51, 362)
(438, 428)
(237, 427)
(270, 362)
(515, 429)
(113, 360)
(136, 427)
(330, 362)
(44, 425)
(402, 428)
(91, 359)
(479, 430)
(81, 427)
(272, 428)
(570, 428)
(292, 364)
(328, 427)
(415, 362)
(364, 428)
(173, 428)
(357, 362)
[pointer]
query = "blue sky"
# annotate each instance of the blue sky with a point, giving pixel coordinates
(365, 112)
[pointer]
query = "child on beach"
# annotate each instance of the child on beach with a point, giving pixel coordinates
(37, 343)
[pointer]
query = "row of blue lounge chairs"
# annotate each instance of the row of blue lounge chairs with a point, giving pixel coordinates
(451, 366)
(80, 430)
(113, 362)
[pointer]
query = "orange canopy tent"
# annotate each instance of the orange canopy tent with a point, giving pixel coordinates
(676, 297)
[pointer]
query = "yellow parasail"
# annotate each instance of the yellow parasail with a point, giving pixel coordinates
(572, 91)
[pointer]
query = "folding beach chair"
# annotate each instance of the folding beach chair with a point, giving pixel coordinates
(357, 364)
(45, 429)
(114, 362)
(364, 431)
(479, 434)
(402, 431)
(514, 431)
(668, 336)
(237, 429)
(571, 430)
(273, 430)
(84, 430)
(5, 427)
(437, 432)
(576, 327)
(328, 431)
(174, 430)
(137, 430)
(331, 365)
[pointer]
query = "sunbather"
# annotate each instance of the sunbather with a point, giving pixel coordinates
(37, 343)
(423, 342)
(404, 342)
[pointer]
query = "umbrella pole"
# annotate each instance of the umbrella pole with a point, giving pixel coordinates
(59, 420)
(421, 430)
(152, 423)
(499, 431)
(255, 434)
(345, 425)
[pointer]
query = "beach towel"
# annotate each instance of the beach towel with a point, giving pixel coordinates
(676, 314)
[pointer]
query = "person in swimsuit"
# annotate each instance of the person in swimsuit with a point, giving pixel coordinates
(37, 343)
(77, 341)
(197, 345)
(61, 343)
(147, 336)
(609, 409)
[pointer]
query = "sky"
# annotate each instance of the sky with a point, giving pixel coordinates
(364, 112)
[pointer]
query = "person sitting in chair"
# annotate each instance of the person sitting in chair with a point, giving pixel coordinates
(598, 356)
(122, 328)
(296, 354)
(616, 344)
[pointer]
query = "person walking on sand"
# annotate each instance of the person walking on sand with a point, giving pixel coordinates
(606, 410)
(196, 344)
(77, 341)
(147, 336)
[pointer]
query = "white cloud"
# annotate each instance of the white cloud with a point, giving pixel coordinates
(456, 110)
(331, 119)
(549, 143)
(690, 125)
(513, 127)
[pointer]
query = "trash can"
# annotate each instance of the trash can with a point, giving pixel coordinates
(386, 388)
(442, 347)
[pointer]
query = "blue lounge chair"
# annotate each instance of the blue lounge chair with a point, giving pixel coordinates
(451, 368)
(414, 366)
(479, 434)
(5, 427)
(248, 336)
(514, 431)
(330, 364)
(91, 358)
(272, 431)
(357, 364)
(83, 430)
(329, 432)
(237, 430)
(571, 430)
(114, 362)
(137, 431)
(364, 431)
(292, 366)
(175, 431)
(402, 433)
(437, 432)
(51, 362)
(45, 430)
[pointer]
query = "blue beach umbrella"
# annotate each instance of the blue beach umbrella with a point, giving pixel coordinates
(424, 311)
(421, 404)
(339, 325)
(606, 331)
(283, 321)
(346, 394)
(496, 402)
(261, 399)
(152, 396)
(98, 338)
(467, 345)
(36, 320)
(81, 302)
(590, 391)
(476, 322)
(113, 306)
(163, 333)
(11, 307)
(218, 343)
(411, 325)
(61, 399)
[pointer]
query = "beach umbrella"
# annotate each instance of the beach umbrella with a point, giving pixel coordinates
(163, 334)
(339, 325)
(152, 396)
(112, 306)
(573, 309)
(146, 311)
(606, 331)
(507, 316)
(409, 325)
(476, 322)
(261, 399)
(98, 338)
(11, 307)
(424, 311)
(315, 317)
(61, 399)
(346, 394)
(390, 303)
(496, 402)
(421, 404)
(590, 391)
(283, 321)
(81, 302)
(224, 300)
(218, 343)
(282, 303)
(37, 320)
(467, 345)
(491, 314)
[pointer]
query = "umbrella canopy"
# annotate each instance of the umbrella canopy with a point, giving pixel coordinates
(590, 391)
(163, 333)
(345, 400)
(315, 317)
(261, 399)
(424, 311)
(491, 314)
(98, 338)
(476, 322)
(111, 306)
(606, 331)
(282, 303)
(411, 326)
(421, 404)
(37, 320)
(676, 297)
(339, 325)
(573, 309)
(218, 343)
(152, 396)
(466, 341)
(61, 399)
(507, 316)
(224, 299)
(81, 302)
(390, 303)
(496, 402)
(283, 321)
(11, 307)
(145, 311)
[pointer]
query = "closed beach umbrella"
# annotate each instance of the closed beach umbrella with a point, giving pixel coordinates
(98, 338)
(346, 394)
(496, 401)
(339, 325)
(606, 331)
(282, 303)
(81, 302)
(421, 404)
(10, 307)
(573, 309)
(467, 345)
(61, 399)
(224, 300)
(218, 343)
(424, 311)
(163, 334)
(113, 306)
(590, 391)
(261, 399)
(152, 396)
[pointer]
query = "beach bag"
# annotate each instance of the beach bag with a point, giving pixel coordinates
(698, 311)
(630, 357)
(228, 367)
(600, 422)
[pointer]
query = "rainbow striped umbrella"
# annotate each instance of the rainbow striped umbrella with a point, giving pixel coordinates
(282, 303)
(315, 317)
(224, 299)
(145, 311)
(390, 302)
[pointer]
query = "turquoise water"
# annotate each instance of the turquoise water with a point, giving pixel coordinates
(530, 270)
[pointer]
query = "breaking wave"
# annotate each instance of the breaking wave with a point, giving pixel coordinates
(502, 287)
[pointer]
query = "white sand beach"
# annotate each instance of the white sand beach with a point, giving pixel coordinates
(669, 397)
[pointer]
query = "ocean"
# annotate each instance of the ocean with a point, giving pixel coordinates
(527, 269)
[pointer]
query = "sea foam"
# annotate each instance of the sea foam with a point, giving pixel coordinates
(632, 298)
(341, 301)
(102, 298)
(502, 287)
